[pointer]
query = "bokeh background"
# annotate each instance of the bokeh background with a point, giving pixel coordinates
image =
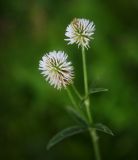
(31, 111)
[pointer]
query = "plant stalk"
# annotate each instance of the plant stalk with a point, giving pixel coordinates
(71, 98)
(76, 92)
(87, 101)
(74, 102)
(92, 131)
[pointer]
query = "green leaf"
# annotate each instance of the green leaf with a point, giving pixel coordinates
(77, 117)
(97, 90)
(65, 134)
(103, 128)
(93, 91)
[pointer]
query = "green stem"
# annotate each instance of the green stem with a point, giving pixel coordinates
(71, 98)
(74, 102)
(92, 131)
(94, 138)
(77, 93)
(87, 101)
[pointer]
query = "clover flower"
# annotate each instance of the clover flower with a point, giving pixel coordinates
(80, 31)
(56, 70)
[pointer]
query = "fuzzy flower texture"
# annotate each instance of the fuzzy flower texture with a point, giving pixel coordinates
(80, 31)
(57, 70)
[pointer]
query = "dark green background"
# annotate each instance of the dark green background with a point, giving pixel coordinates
(31, 111)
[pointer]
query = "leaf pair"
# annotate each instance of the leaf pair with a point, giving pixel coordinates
(73, 130)
(82, 124)
(68, 132)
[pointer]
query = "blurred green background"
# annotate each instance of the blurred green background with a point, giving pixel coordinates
(31, 111)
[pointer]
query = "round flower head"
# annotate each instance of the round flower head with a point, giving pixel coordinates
(56, 69)
(80, 31)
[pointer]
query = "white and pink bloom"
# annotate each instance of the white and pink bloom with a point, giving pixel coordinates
(56, 69)
(80, 31)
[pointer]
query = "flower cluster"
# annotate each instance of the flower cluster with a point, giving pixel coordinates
(56, 69)
(80, 31)
(54, 65)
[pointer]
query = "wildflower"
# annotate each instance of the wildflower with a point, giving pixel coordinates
(80, 31)
(58, 72)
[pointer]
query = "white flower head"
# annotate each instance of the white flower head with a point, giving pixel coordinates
(56, 69)
(80, 31)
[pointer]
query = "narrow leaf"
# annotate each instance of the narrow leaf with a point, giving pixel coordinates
(97, 90)
(77, 117)
(103, 128)
(65, 134)
(93, 91)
